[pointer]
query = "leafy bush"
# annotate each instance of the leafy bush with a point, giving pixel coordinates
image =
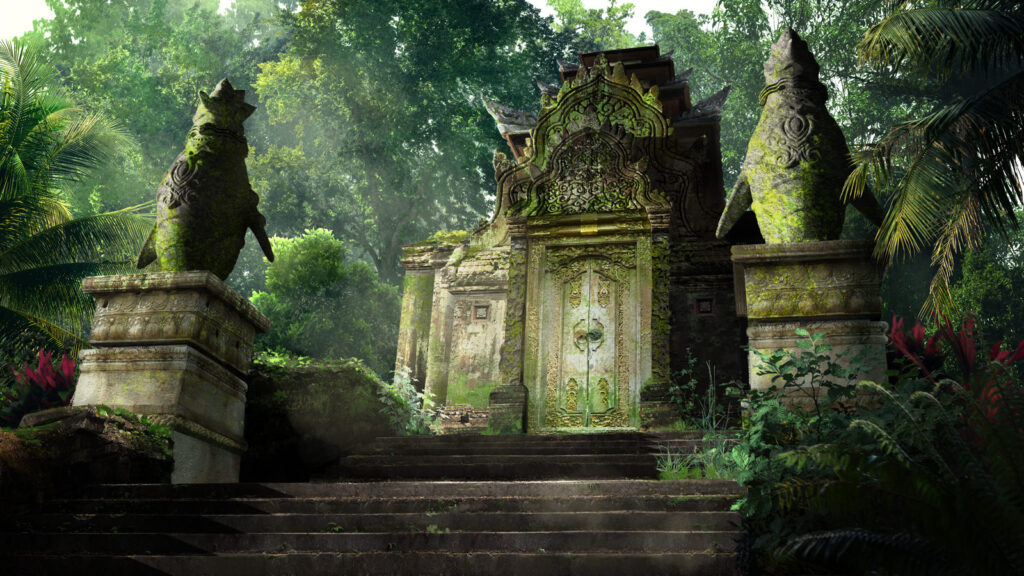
(38, 389)
(926, 481)
(325, 306)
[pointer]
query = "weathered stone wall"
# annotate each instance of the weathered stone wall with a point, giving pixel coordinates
(466, 325)
(301, 419)
(417, 300)
(704, 315)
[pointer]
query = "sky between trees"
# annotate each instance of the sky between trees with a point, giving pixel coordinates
(19, 14)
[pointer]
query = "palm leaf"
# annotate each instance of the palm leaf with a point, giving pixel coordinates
(17, 325)
(946, 40)
(112, 237)
(859, 550)
(963, 170)
(54, 292)
(46, 145)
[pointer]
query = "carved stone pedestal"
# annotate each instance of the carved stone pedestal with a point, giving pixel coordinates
(175, 346)
(829, 287)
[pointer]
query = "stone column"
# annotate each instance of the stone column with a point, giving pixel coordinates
(655, 408)
(414, 328)
(175, 346)
(508, 400)
(830, 287)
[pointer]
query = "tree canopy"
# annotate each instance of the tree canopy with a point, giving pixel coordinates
(371, 126)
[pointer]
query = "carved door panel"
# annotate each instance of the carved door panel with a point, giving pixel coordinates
(587, 389)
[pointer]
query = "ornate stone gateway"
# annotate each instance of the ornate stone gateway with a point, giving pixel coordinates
(598, 269)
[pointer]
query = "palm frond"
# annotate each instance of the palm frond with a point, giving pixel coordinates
(16, 324)
(860, 550)
(46, 144)
(111, 237)
(964, 231)
(963, 169)
(53, 293)
(29, 214)
(926, 41)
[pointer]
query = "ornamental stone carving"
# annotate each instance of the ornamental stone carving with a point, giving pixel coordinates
(588, 152)
(797, 159)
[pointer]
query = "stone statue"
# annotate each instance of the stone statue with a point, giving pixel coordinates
(797, 159)
(205, 203)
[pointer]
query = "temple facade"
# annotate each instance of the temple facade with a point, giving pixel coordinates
(599, 274)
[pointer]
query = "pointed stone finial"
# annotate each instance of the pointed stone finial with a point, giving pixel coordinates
(797, 160)
(790, 62)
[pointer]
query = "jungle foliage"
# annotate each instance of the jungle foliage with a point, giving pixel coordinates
(371, 126)
(325, 305)
(47, 146)
(953, 170)
(918, 475)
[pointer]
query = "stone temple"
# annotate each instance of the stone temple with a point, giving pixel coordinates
(599, 273)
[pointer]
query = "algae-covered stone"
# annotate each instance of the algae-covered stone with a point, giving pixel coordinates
(205, 202)
(797, 159)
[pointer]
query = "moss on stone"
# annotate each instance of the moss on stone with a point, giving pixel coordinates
(83, 445)
(302, 416)
(449, 237)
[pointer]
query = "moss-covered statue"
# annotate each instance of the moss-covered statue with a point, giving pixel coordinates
(797, 159)
(205, 203)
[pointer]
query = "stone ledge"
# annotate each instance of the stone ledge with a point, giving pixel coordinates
(793, 252)
(190, 428)
(174, 281)
(830, 279)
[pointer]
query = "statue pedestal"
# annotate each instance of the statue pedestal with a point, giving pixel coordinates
(175, 346)
(830, 287)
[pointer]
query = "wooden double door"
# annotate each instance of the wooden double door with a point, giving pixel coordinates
(587, 349)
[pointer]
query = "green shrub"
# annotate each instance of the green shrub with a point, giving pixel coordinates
(323, 305)
(927, 480)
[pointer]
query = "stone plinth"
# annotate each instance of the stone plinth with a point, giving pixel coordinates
(193, 308)
(175, 346)
(830, 287)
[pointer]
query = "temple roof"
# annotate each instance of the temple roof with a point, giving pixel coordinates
(645, 63)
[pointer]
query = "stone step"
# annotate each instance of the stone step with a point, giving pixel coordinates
(534, 563)
(619, 520)
(685, 503)
(676, 446)
(512, 457)
(592, 526)
(169, 543)
(528, 469)
(433, 489)
(595, 438)
(516, 459)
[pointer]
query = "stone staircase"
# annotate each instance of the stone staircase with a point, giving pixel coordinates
(444, 515)
(529, 457)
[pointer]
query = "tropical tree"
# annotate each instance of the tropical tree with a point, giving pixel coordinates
(46, 145)
(143, 62)
(951, 173)
(381, 135)
(595, 29)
